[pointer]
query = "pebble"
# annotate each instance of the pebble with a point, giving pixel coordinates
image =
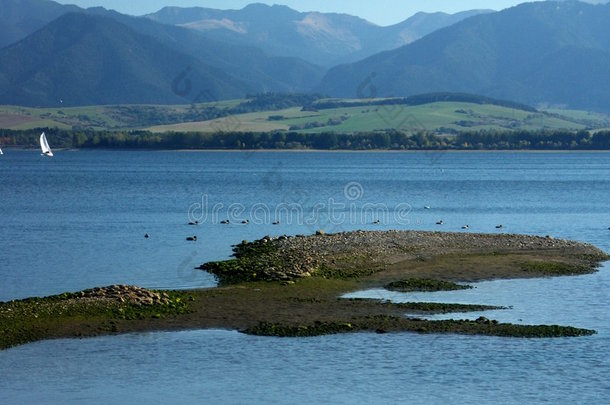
(124, 293)
(305, 255)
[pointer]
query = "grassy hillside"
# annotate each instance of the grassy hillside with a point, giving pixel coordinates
(438, 117)
(112, 117)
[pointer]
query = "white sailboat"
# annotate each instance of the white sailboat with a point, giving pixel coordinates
(1, 152)
(44, 145)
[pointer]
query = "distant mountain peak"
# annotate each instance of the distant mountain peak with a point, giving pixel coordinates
(260, 10)
(217, 24)
(321, 38)
(546, 52)
(103, 57)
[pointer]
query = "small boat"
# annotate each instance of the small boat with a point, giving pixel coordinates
(1, 153)
(44, 146)
(427, 207)
(466, 227)
(191, 238)
(499, 226)
(440, 222)
(276, 222)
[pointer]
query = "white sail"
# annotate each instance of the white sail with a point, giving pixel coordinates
(44, 145)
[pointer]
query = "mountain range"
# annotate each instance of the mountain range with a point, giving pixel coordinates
(325, 39)
(20, 18)
(83, 58)
(548, 52)
(96, 56)
(105, 57)
(554, 53)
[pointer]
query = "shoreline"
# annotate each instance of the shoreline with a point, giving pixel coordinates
(391, 151)
(291, 286)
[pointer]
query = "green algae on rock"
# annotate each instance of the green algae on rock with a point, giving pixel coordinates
(384, 324)
(424, 285)
(86, 313)
(292, 286)
(429, 307)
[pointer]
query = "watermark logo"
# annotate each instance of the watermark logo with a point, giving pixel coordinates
(182, 86)
(367, 89)
(186, 270)
(353, 191)
(395, 115)
(273, 178)
(336, 213)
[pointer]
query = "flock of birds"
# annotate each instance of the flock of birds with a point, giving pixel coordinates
(246, 222)
(465, 227)
(224, 222)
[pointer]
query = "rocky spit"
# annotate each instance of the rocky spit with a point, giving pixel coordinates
(123, 294)
(433, 243)
(295, 306)
(301, 256)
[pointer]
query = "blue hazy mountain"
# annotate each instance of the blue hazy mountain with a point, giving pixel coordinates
(98, 56)
(321, 38)
(546, 52)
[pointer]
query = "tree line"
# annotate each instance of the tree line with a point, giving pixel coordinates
(421, 100)
(387, 140)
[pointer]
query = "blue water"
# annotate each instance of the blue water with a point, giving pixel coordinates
(78, 220)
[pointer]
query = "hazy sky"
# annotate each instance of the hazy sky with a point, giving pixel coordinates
(382, 12)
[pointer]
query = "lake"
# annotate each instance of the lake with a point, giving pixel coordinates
(78, 220)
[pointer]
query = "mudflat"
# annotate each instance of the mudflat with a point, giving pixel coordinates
(292, 286)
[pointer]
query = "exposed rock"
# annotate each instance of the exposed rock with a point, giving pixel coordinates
(125, 294)
(284, 258)
(482, 319)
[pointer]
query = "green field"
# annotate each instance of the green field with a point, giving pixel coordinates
(97, 117)
(440, 117)
(437, 117)
(111, 117)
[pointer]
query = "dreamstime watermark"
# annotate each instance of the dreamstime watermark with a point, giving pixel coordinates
(395, 114)
(182, 86)
(334, 212)
(186, 268)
